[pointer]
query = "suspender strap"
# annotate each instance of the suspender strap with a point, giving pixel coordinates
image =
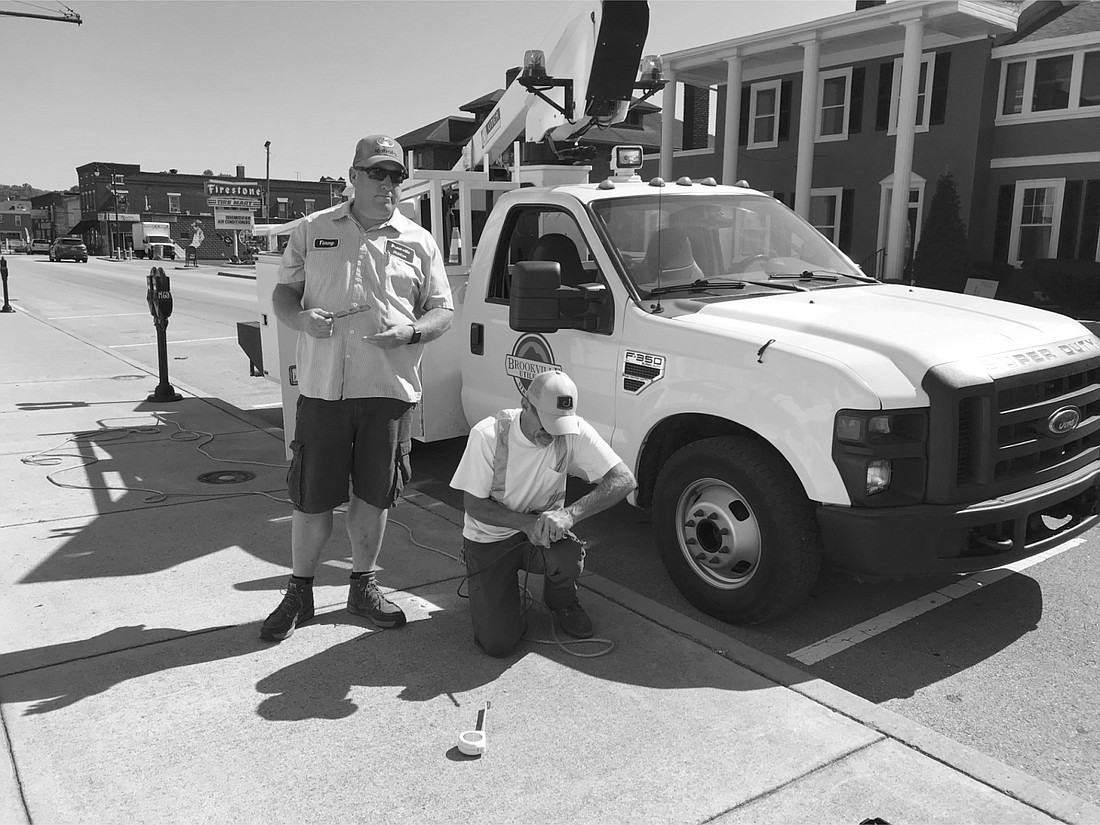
(505, 419)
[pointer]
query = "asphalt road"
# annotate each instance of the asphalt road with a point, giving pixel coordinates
(1007, 665)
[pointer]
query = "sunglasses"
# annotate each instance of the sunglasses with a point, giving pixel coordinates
(380, 173)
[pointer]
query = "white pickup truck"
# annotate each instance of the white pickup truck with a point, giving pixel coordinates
(779, 408)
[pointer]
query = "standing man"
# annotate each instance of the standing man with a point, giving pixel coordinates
(513, 475)
(365, 288)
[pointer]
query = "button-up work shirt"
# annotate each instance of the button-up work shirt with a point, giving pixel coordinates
(395, 269)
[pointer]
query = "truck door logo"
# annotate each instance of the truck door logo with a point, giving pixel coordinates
(530, 356)
(641, 370)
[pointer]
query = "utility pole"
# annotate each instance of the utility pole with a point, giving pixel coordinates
(267, 186)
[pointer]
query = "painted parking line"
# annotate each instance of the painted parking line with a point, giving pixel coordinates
(187, 341)
(838, 642)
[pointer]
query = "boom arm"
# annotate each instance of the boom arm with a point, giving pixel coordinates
(595, 60)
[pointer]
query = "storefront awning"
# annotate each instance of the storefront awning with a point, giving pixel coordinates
(82, 227)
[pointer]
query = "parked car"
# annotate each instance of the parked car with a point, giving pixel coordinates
(69, 248)
(39, 246)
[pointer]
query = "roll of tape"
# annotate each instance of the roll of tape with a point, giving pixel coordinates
(472, 742)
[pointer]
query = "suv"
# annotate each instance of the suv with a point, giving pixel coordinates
(69, 248)
(38, 246)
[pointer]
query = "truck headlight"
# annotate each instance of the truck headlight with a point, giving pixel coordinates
(882, 455)
(879, 473)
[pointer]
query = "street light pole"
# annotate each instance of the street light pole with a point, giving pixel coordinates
(267, 185)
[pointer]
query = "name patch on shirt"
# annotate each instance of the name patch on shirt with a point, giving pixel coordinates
(399, 250)
(326, 243)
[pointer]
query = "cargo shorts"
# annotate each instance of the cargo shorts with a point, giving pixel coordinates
(366, 440)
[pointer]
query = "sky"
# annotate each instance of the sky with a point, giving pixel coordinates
(192, 86)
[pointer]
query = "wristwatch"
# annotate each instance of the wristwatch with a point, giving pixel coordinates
(415, 336)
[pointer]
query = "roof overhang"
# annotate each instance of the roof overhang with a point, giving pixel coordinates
(866, 33)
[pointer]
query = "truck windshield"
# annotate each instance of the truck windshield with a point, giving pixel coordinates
(728, 241)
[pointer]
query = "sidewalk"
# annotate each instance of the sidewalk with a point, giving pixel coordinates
(134, 687)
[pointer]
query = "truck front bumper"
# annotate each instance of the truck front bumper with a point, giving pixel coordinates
(932, 539)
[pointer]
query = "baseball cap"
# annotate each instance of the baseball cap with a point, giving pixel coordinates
(374, 149)
(554, 395)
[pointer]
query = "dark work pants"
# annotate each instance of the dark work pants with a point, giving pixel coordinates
(492, 569)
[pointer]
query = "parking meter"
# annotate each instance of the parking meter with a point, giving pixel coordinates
(159, 296)
(4, 275)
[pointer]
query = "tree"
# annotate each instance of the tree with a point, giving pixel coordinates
(942, 260)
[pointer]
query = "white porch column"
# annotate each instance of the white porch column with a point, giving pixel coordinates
(668, 120)
(903, 150)
(807, 127)
(733, 120)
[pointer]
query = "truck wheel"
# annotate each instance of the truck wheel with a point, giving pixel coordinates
(735, 530)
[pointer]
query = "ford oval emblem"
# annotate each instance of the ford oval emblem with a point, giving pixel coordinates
(1063, 421)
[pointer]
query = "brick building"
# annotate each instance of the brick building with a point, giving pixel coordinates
(113, 196)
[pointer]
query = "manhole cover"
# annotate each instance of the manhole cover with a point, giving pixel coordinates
(226, 477)
(128, 377)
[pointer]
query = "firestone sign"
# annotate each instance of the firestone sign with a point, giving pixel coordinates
(233, 189)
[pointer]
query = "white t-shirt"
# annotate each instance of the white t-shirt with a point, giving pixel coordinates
(531, 480)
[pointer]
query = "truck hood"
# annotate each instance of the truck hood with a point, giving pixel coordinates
(915, 328)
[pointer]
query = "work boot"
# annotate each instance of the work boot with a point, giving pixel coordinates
(573, 620)
(365, 599)
(295, 609)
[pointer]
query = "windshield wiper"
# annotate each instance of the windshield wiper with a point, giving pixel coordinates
(820, 275)
(702, 284)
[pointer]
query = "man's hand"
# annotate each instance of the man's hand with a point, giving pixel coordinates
(316, 322)
(392, 337)
(537, 532)
(554, 524)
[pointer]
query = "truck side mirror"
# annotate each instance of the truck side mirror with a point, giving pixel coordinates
(539, 303)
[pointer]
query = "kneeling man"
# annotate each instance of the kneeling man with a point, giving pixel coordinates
(513, 475)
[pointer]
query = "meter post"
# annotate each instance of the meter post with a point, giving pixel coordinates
(4, 277)
(159, 297)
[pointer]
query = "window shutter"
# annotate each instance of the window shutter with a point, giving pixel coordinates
(885, 89)
(1002, 227)
(938, 111)
(1090, 221)
(847, 207)
(855, 112)
(1071, 219)
(786, 92)
(746, 100)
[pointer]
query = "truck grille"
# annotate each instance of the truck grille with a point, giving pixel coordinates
(993, 437)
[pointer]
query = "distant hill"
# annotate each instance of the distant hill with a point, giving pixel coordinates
(19, 192)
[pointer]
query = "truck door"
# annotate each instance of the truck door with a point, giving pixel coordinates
(541, 232)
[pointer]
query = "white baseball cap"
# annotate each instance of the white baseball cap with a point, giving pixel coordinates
(554, 395)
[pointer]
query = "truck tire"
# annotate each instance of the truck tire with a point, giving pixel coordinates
(735, 530)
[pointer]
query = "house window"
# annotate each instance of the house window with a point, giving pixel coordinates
(174, 202)
(309, 205)
(825, 212)
(927, 64)
(1061, 85)
(1013, 98)
(18, 220)
(1052, 75)
(764, 115)
(1090, 80)
(1036, 218)
(834, 92)
(284, 207)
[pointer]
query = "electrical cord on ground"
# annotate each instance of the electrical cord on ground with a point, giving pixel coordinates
(528, 601)
(112, 435)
